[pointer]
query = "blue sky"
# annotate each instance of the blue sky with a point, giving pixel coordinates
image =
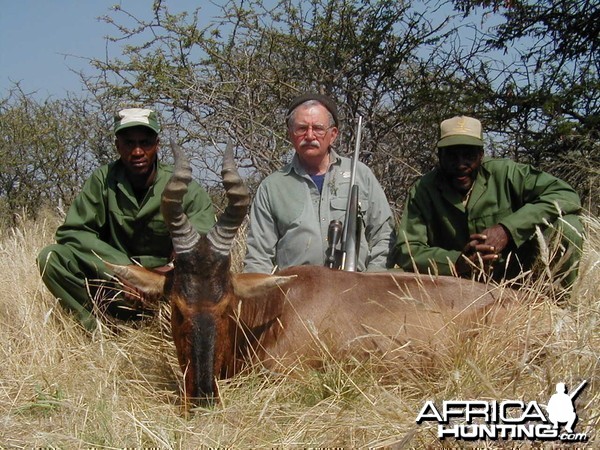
(42, 41)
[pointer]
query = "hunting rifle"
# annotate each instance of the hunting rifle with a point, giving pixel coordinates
(346, 257)
(577, 390)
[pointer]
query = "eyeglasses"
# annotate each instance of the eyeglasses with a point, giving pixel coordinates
(318, 130)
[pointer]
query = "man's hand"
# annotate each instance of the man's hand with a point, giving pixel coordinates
(482, 250)
(496, 237)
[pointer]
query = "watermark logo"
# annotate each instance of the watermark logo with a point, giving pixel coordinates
(508, 419)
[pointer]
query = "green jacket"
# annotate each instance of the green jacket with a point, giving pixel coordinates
(107, 219)
(289, 219)
(435, 225)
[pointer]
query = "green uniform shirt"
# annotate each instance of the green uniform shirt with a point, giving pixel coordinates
(106, 218)
(436, 226)
(289, 219)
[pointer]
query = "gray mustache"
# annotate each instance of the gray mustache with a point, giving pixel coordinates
(306, 143)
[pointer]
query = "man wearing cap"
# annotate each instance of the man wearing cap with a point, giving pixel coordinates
(292, 208)
(116, 218)
(472, 211)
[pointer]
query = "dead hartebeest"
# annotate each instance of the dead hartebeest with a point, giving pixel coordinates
(221, 320)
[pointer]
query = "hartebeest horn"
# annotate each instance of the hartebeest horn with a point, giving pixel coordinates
(222, 234)
(183, 235)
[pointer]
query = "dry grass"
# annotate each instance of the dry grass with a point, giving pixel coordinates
(61, 387)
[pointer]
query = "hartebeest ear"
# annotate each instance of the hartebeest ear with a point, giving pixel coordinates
(147, 281)
(257, 302)
(257, 284)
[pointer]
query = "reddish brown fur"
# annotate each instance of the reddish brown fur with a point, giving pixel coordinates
(388, 313)
(222, 321)
(364, 312)
(183, 319)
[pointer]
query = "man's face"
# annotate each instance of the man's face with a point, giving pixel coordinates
(138, 147)
(460, 163)
(310, 132)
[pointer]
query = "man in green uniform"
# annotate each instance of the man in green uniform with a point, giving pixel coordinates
(474, 213)
(116, 218)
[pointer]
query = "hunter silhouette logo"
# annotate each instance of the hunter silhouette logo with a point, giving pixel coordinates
(561, 408)
(507, 419)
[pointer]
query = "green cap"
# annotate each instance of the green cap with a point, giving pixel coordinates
(134, 117)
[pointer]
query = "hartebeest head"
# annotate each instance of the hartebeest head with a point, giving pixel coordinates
(200, 287)
(201, 282)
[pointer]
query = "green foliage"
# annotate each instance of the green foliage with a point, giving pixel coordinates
(46, 150)
(236, 76)
(543, 94)
(46, 401)
(527, 69)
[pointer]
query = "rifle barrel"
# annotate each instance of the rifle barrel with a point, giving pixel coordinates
(349, 238)
(574, 394)
(356, 153)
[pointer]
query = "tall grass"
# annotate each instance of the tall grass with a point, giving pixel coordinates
(63, 387)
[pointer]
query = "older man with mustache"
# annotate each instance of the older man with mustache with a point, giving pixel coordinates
(293, 207)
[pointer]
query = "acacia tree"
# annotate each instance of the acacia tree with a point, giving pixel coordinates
(235, 77)
(47, 149)
(402, 67)
(535, 73)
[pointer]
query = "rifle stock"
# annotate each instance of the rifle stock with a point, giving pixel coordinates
(333, 237)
